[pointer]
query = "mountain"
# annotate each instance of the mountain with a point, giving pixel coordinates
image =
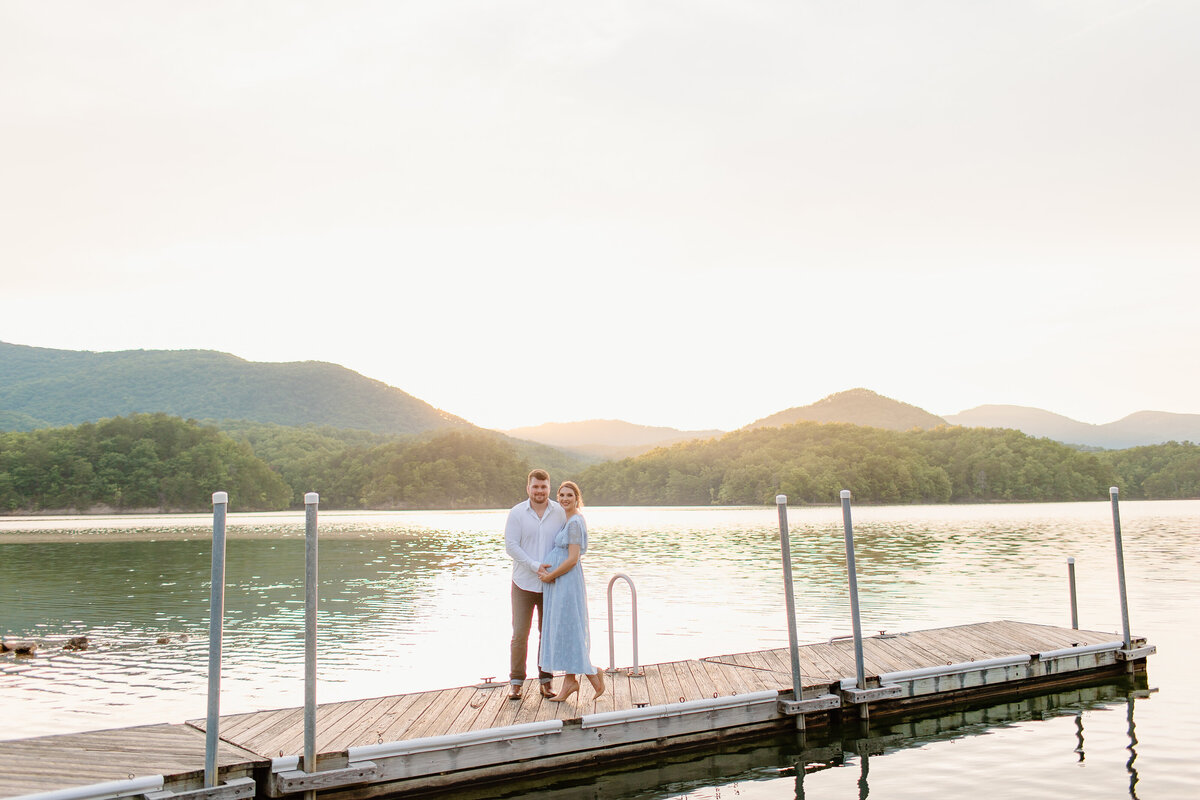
(1140, 428)
(607, 438)
(41, 387)
(857, 407)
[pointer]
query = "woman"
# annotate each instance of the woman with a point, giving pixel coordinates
(566, 644)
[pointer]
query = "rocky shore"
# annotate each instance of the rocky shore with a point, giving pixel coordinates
(31, 647)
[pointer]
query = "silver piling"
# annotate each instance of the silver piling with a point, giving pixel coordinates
(216, 617)
(1071, 583)
(1116, 513)
(785, 545)
(311, 499)
(860, 671)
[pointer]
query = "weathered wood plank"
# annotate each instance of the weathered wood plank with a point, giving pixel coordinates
(704, 682)
(267, 740)
(44, 763)
(291, 741)
(483, 700)
(877, 657)
(949, 648)
(715, 678)
(478, 700)
(654, 685)
(619, 686)
(403, 718)
(687, 687)
(838, 663)
(530, 704)
(782, 659)
(691, 690)
(386, 715)
(358, 718)
(639, 689)
(975, 646)
(440, 713)
(744, 678)
(989, 644)
(907, 656)
(672, 691)
(507, 713)
(1003, 640)
(244, 726)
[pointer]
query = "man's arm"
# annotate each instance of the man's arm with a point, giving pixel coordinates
(512, 542)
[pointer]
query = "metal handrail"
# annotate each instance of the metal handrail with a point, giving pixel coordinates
(634, 671)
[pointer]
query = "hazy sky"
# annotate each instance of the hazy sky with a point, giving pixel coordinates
(675, 213)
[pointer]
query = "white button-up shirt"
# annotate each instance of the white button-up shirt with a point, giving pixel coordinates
(528, 538)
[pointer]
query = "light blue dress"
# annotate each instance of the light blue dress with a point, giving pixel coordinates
(566, 642)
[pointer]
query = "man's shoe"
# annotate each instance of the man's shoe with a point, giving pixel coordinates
(514, 691)
(546, 689)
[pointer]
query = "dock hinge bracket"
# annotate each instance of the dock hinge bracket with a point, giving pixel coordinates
(856, 696)
(294, 780)
(1136, 653)
(825, 702)
(235, 789)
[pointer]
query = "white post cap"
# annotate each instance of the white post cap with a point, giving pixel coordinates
(1113, 490)
(220, 498)
(311, 497)
(1070, 559)
(781, 499)
(845, 494)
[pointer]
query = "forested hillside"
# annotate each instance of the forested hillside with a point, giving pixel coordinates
(142, 462)
(153, 462)
(40, 386)
(812, 462)
(444, 469)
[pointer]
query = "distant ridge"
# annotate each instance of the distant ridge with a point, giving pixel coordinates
(44, 387)
(856, 407)
(1137, 429)
(607, 438)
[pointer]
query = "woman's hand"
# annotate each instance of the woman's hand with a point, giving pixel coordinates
(544, 573)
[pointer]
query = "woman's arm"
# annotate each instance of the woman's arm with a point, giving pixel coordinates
(566, 566)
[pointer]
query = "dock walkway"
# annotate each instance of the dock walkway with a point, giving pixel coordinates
(426, 740)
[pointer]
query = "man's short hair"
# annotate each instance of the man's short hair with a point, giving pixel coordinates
(537, 475)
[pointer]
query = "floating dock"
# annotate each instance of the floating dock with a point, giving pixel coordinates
(427, 741)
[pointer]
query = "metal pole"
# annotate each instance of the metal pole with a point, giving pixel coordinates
(1074, 605)
(1112, 491)
(216, 616)
(850, 570)
(311, 499)
(785, 545)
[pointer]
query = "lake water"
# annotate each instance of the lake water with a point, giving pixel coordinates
(419, 600)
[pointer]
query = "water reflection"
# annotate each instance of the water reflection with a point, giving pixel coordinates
(758, 767)
(1133, 775)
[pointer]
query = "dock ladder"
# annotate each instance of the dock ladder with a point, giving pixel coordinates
(635, 671)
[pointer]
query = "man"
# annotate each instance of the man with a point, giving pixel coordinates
(528, 537)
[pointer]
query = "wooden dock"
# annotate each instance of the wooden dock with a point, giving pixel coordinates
(424, 741)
